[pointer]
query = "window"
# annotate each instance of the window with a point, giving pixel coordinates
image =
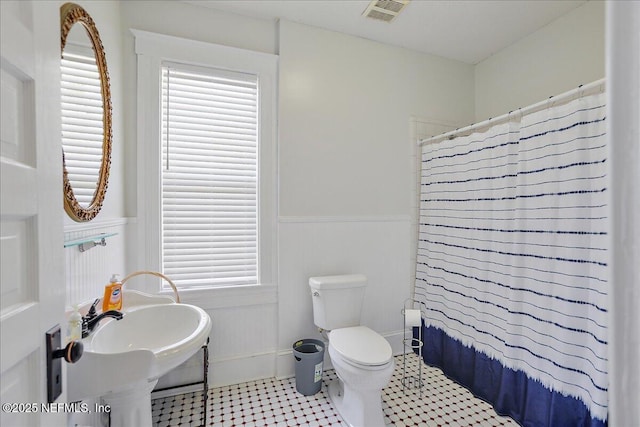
(206, 163)
(209, 176)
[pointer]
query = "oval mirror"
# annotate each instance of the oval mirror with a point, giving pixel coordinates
(86, 114)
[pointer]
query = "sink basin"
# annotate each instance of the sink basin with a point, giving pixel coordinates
(134, 352)
(172, 332)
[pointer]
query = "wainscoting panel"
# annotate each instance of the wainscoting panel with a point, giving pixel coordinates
(87, 272)
(242, 342)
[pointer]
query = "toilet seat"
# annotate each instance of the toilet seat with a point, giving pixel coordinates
(361, 346)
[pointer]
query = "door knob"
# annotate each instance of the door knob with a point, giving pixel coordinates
(71, 353)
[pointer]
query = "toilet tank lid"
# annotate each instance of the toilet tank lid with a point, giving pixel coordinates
(338, 281)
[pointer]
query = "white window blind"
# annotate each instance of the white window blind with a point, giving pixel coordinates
(82, 120)
(209, 176)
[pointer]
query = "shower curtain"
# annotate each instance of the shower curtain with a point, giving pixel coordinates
(512, 264)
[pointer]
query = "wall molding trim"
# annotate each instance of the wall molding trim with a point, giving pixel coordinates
(284, 219)
(228, 297)
(98, 224)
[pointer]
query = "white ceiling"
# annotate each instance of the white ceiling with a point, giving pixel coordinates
(464, 30)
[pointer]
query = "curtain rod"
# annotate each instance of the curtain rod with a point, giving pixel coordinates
(581, 90)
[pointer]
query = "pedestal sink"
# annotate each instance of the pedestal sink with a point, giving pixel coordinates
(123, 359)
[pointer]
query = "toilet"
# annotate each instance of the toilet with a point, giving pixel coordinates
(361, 357)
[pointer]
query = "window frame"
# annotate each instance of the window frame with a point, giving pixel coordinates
(153, 50)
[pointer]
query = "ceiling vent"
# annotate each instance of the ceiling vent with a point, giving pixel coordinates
(385, 10)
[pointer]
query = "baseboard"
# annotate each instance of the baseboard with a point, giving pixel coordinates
(161, 394)
(232, 370)
(285, 366)
(395, 340)
(241, 369)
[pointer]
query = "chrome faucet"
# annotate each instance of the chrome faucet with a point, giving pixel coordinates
(91, 320)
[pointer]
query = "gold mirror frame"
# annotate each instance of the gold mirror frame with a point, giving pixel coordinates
(71, 14)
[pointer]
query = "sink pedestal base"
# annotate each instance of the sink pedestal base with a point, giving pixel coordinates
(131, 407)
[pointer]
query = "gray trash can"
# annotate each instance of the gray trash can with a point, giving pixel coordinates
(309, 354)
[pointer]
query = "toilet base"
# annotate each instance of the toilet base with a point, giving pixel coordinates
(357, 409)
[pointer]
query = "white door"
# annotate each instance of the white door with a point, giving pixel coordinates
(31, 252)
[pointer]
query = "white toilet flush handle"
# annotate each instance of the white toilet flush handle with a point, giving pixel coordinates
(316, 293)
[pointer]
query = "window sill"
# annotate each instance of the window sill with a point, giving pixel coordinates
(226, 297)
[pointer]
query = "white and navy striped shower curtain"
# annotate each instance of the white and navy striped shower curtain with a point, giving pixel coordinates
(512, 264)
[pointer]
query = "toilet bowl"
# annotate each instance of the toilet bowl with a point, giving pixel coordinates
(362, 358)
(364, 364)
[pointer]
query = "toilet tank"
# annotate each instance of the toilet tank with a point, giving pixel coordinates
(337, 300)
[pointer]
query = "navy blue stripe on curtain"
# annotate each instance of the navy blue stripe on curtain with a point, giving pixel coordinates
(511, 393)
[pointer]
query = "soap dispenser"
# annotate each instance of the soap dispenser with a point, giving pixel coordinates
(75, 325)
(112, 299)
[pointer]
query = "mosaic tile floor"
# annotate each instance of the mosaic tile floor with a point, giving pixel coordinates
(275, 403)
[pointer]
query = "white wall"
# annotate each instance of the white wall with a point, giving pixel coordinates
(345, 142)
(345, 168)
(87, 273)
(349, 112)
(180, 19)
(345, 105)
(106, 15)
(623, 128)
(561, 56)
(243, 336)
(355, 218)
